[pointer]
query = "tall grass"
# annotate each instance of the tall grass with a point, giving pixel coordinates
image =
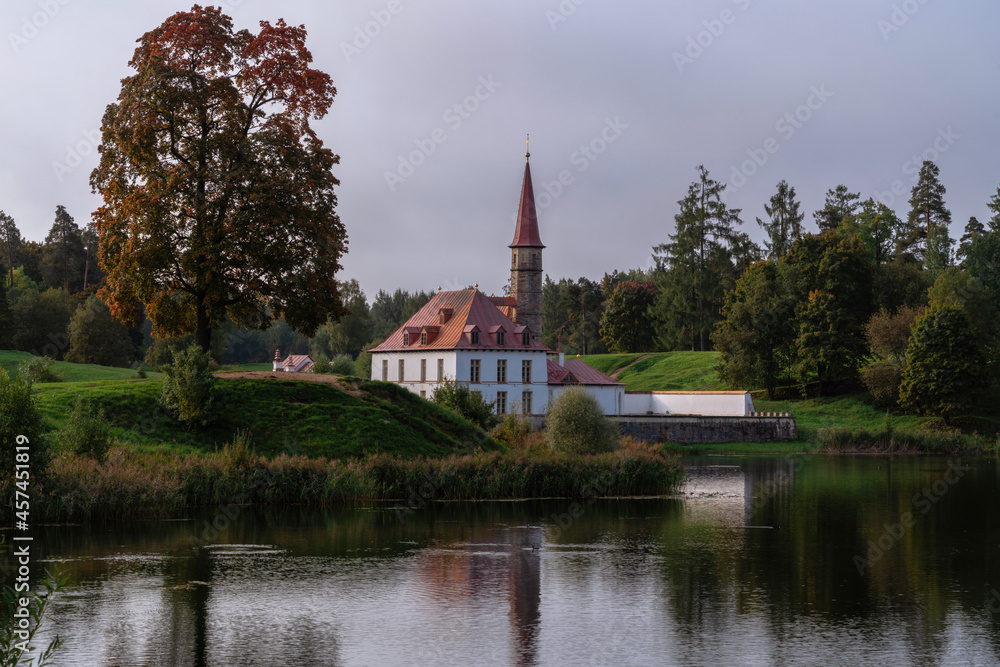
(891, 441)
(134, 484)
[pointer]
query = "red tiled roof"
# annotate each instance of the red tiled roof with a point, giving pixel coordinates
(526, 231)
(471, 308)
(577, 372)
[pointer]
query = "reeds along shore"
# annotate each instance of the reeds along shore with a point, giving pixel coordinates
(891, 441)
(130, 485)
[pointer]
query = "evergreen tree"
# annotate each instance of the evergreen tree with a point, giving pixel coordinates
(696, 266)
(994, 206)
(627, 325)
(929, 219)
(10, 236)
(945, 365)
(585, 305)
(5, 319)
(62, 255)
(785, 225)
(983, 262)
(973, 231)
(91, 271)
(755, 335)
(839, 204)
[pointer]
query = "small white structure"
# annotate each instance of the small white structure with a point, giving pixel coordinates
(294, 363)
(701, 403)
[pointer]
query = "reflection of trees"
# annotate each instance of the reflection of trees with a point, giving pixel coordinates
(823, 514)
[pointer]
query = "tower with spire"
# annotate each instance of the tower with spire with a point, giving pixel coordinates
(526, 259)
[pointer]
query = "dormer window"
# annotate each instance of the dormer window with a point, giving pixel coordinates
(406, 338)
(444, 315)
(525, 338)
(500, 337)
(474, 337)
(423, 338)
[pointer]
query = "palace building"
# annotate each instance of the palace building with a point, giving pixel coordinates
(493, 344)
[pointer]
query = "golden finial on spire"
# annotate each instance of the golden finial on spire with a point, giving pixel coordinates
(527, 146)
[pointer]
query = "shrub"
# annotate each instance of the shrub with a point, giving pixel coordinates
(321, 364)
(86, 432)
(882, 379)
(189, 388)
(577, 425)
(19, 416)
(342, 364)
(39, 369)
(513, 431)
(239, 453)
(459, 398)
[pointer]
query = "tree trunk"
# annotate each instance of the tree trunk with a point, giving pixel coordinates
(203, 332)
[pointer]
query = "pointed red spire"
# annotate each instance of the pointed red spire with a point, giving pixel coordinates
(526, 231)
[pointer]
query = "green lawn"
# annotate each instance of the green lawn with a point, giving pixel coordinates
(662, 371)
(10, 360)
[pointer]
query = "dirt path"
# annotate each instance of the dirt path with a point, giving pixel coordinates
(614, 375)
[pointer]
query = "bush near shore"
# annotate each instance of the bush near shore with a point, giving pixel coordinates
(132, 484)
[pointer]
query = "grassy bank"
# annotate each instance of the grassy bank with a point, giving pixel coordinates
(133, 484)
(347, 419)
(662, 371)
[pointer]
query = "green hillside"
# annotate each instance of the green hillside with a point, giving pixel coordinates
(283, 416)
(662, 371)
(10, 360)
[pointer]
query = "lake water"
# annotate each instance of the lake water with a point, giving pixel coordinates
(759, 561)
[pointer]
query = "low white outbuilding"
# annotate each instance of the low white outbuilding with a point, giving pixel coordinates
(701, 403)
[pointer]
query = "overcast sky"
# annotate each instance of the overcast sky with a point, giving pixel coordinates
(622, 100)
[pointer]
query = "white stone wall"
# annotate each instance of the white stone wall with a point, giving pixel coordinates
(716, 404)
(610, 397)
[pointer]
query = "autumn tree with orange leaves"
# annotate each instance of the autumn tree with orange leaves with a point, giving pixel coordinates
(218, 195)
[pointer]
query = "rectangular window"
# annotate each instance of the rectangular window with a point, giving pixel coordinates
(526, 371)
(526, 402)
(423, 394)
(501, 402)
(385, 370)
(474, 337)
(406, 338)
(525, 339)
(440, 370)
(423, 338)
(423, 370)
(500, 338)
(474, 370)
(501, 370)
(401, 370)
